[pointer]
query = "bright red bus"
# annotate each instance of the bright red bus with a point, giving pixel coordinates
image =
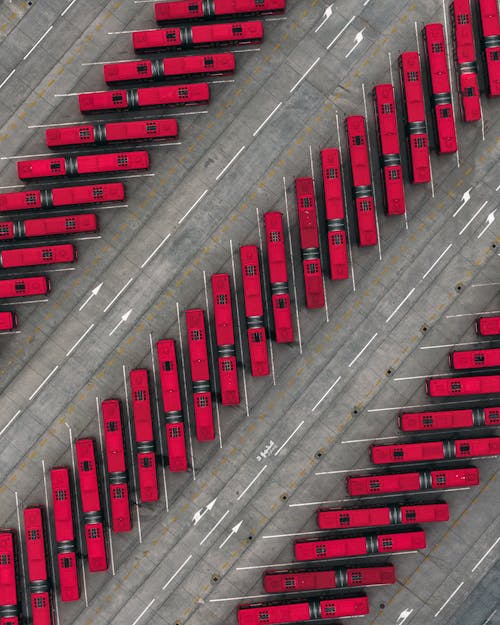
(24, 287)
(41, 610)
(83, 165)
(474, 358)
(388, 142)
(472, 385)
(334, 213)
(172, 405)
(448, 419)
(362, 189)
(278, 277)
(487, 326)
(144, 436)
(10, 612)
(459, 477)
(302, 610)
(186, 37)
(30, 256)
(309, 243)
(8, 321)
(435, 450)
(414, 117)
(48, 226)
(91, 505)
(177, 67)
(189, 10)
(489, 29)
(254, 310)
(287, 580)
(200, 374)
(392, 514)
(65, 534)
(224, 337)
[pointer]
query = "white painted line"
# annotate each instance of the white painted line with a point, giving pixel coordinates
(51, 542)
(449, 403)
(271, 536)
(92, 325)
(364, 348)
(241, 598)
(323, 397)
(74, 93)
(246, 50)
(193, 206)
(303, 77)
(390, 68)
(252, 482)
(155, 250)
(368, 498)
(436, 262)
(214, 365)
(473, 217)
(416, 37)
(267, 119)
(144, 611)
(215, 527)
(449, 599)
(162, 448)
(110, 62)
(106, 484)
(31, 301)
(129, 32)
(476, 314)
(452, 75)
(12, 186)
(486, 554)
(178, 571)
(422, 377)
(10, 422)
(117, 295)
(68, 8)
(489, 221)
(326, 16)
(485, 284)
(399, 306)
(454, 344)
(366, 440)
(220, 82)
(21, 549)
(42, 384)
(38, 42)
(289, 438)
(10, 332)
(123, 318)
(7, 78)
(489, 617)
(342, 31)
(230, 163)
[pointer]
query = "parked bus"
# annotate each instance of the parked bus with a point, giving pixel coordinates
(189, 10)
(48, 226)
(44, 255)
(474, 358)
(489, 31)
(487, 326)
(39, 584)
(448, 419)
(391, 514)
(24, 287)
(10, 610)
(435, 450)
(472, 385)
(8, 321)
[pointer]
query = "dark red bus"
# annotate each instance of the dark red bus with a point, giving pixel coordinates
(489, 30)
(448, 419)
(254, 310)
(278, 277)
(362, 189)
(487, 326)
(10, 612)
(472, 385)
(474, 358)
(414, 117)
(288, 580)
(8, 321)
(172, 405)
(392, 514)
(391, 171)
(435, 450)
(144, 436)
(24, 287)
(189, 10)
(459, 477)
(186, 37)
(224, 337)
(41, 610)
(65, 534)
(48, 226)
(83, 165)
(334, 213)
(30, 256)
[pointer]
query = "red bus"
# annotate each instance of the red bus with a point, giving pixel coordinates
(133, 99)
(440, 88)
(459, 477)
(472, 385)
(309, 243)
(465, 60)
(189, 10)
(83, 165)
(91, 505)
(448, 419)
(23, 287)
(388, 142)
(144, 436)
(172, 405)
(41, 610)
(224, 337)
(392, 514)
(287, 580)
(30, 256)
(487, 326)
(489, 28)
(186, 37)
(278, 277)
(10, 613)
(102, 134)
(65, 534)
(178, 67)
(8, 321)
(334, 213)
(362, 189)
(254, 310)
(435, 450)
(302, 610)
(412, 95)
(48, 226)
(200, 374)
(474, 358)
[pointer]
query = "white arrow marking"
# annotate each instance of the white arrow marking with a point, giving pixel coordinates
(403, 616)
(122, 320)
(357, 40)
(234, 530)
(202, 511)
(326, 16)
(489, 220)
(465, 199)
(93, 293)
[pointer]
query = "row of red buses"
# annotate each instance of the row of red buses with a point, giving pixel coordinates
(474, 358)
(82, 165)
(362, 189)
(188, 10)
(489, 23)
(254, 310)
(10, 613)
(473, 385)
(309, 243)
(65, 534)
(287, 580)
(392, 514)
(414, 117)
(334, 213)
(172, 405)
(186, 37)
(91, 505)
(170, 68)
(302, 610)
(440, 88)
(62, 197)
(116, 466)
(144, 97)
(200, 374)
(224, 337)
(359, 546)
(48, 226)
(388, 142)
(41, 610)
(102, 134)
(144, 436)
(487, 326)
(465, 59)
(448, 419)
(8, 321)
(459, 477)
(31, 256)
(278, 277)
(24, 287)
